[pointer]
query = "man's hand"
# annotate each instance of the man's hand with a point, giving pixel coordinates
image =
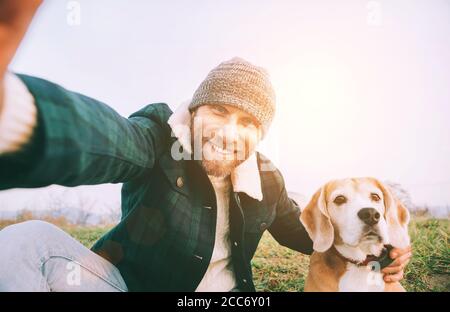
(15, 16)
(394, 272)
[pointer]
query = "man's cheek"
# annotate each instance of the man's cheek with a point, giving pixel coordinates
(252, 140)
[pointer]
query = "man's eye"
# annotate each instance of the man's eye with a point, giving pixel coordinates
(339, 200)
(219, 109)
(247, 121)
(375, 197)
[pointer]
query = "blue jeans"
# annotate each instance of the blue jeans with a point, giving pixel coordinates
(38, 256)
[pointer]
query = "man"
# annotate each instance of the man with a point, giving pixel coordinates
(196, 197)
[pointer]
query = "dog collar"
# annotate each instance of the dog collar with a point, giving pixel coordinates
(383, 259)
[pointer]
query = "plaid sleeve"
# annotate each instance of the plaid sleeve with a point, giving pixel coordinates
(78, 140)
(287, 228)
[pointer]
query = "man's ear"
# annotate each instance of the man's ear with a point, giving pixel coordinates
(397, 218)
(317, 222)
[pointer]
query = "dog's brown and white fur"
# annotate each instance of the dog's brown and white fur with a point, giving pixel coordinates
(339, 233)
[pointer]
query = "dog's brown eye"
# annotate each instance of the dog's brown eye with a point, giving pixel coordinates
(375, 197)
(340, 200)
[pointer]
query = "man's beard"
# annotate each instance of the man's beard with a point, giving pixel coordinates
(220, 167)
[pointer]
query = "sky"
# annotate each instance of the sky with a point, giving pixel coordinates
(363, 87)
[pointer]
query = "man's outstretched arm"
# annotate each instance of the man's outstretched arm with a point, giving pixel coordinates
(50, 135)
(287, 228)
(78, 140)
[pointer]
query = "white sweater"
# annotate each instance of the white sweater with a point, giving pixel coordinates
(18, 115)
(220, 275)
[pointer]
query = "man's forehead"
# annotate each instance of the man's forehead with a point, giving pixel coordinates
(232, 109)
(236, 110)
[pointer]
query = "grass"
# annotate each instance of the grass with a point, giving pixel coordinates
(276, 268)
(87, 235)
(429, 269)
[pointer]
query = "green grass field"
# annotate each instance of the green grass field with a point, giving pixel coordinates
(277, 268)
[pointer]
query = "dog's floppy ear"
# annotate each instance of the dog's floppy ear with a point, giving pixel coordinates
(317, 222)
(397, 218)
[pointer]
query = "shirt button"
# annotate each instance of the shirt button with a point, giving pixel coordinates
(263, 226)
(235, 244)
(244, 280)
(180, 182)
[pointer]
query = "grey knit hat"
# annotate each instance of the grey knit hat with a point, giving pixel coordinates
(241, 84)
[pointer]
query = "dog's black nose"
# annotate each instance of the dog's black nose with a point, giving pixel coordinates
(369, 216)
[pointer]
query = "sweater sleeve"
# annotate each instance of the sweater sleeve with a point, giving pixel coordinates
(18, 115)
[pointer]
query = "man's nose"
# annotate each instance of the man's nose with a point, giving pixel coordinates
(230, 134)
(369, 216)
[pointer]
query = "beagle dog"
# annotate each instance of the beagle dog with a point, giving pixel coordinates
(353, 224)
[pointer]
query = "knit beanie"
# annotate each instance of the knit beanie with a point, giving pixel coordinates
(241, 84)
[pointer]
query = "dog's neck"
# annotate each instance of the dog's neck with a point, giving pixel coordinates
(359, 254)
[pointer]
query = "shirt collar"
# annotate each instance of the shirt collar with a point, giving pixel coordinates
(244, 178)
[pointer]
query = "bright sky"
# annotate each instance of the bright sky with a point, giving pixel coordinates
(362, 86)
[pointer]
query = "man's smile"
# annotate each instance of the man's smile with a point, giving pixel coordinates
(218, 149)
